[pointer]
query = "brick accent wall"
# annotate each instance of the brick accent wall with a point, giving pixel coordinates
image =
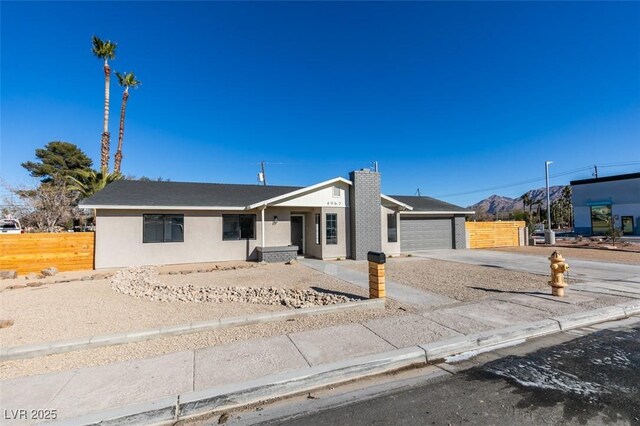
(459, 233)
(277, 254)
(364, 200)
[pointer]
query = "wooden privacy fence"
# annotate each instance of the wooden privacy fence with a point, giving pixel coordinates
(26, 253)
(495, 234)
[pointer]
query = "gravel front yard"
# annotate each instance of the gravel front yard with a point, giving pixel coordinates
(157, 347)
(88, 308)
(599, 255)
(456, 280)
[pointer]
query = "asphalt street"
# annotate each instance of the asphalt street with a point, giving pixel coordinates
(593, 379)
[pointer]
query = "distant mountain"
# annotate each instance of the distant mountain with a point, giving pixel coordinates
(497, 204)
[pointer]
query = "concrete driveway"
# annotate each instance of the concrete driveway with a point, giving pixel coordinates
(582, 269)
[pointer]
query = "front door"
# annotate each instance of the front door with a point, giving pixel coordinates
(297, 232)
(627, 225)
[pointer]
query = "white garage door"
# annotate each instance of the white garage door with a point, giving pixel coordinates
(425, 233)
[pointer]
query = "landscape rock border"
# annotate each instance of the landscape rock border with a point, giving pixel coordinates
(143, 282)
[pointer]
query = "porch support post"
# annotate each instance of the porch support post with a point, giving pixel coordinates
(262, 225)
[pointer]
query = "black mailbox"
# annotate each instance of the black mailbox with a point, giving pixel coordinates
(376, 257)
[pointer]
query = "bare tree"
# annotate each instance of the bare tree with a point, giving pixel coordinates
(47, 208)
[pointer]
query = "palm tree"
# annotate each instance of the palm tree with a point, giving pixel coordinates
(125, 80)
(91, 182)
(104, 50)
(527, 201)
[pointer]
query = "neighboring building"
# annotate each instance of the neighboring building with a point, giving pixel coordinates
(146, 223)
(599, 201)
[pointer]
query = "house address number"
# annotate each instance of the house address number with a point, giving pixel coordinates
(334, 203)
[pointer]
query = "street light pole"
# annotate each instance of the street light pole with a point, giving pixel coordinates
(549, 235)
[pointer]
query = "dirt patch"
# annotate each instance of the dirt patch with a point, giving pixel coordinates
(457, 280)
(583, 253)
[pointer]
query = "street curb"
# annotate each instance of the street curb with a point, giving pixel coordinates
(631, 308)
(155, 412)
(583, 319)
(498, 337)
(235, 395)
(193, 403)
(61, 346)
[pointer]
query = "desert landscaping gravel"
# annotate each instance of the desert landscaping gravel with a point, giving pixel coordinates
(88, 308)
(145, 283)
(156, 347)
(456, 280)
(599, 255)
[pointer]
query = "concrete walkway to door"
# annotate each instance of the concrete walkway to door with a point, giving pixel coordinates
(400, 292)
(582, 269)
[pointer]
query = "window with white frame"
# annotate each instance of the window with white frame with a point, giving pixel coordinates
(331, 228)
(318, 228)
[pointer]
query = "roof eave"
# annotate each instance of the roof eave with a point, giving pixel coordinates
(121, 207)
(396, 202)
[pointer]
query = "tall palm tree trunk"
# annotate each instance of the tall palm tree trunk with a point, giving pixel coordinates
(123, 108)
(105, 141)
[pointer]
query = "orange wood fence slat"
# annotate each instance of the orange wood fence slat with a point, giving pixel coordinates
(26, 253)
(493, 234)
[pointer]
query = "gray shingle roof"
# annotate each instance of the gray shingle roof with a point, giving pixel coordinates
(186, 194)
(428, 204)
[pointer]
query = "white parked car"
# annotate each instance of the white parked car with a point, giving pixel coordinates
(10, 226)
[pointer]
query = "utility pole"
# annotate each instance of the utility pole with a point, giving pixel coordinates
(418, 192)
(549, 235)
(264, 176)
(595, 167)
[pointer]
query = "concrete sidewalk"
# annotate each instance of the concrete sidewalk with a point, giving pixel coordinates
(400, 292)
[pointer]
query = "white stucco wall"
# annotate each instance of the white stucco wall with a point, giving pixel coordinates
(311, 248)
(623, 195)
(119, 238)
(322, 197)
(342, 249)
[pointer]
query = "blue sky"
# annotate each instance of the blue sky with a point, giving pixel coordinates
(450, 98)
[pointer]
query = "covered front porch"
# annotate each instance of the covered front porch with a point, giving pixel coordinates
(287, 233)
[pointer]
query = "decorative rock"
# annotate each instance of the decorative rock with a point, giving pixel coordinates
(291, 262)
(100, 276)
(6, 323)
(143, 282)
(15, 286)
(33, 276)
(50, 271)
(8, 275)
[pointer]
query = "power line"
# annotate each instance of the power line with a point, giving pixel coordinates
(568, 172)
